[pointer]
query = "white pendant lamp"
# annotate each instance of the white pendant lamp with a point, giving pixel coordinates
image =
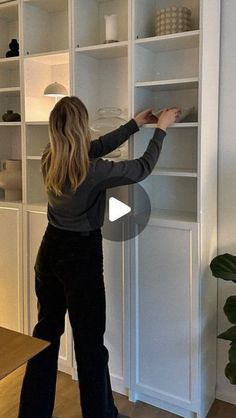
(55, 90)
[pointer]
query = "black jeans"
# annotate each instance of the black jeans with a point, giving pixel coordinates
(69, 275)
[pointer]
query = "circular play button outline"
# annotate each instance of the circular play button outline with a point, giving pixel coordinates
(127, 211)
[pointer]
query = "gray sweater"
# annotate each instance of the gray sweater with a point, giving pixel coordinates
(77, 211)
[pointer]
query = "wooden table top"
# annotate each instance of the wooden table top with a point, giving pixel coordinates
(16, 349)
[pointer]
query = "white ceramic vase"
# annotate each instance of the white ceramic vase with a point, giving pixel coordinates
(111, 28)
(11, 180)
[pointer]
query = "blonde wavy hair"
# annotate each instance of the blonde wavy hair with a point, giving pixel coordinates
(66, 157)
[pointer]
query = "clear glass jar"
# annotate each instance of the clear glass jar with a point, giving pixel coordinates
(109, 118)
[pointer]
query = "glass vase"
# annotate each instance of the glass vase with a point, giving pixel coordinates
(109, 119)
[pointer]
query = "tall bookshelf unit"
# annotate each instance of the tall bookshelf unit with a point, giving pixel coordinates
(161, 301)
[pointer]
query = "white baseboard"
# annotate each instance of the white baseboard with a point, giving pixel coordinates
(117, 384)
(165, 406)
(64, 369)
(228, 396)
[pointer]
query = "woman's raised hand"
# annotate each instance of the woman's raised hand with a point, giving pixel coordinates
(165, 118)
(146, 116)
(168, 117)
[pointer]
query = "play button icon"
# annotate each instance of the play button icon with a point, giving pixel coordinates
(126, 213)
(117, 209)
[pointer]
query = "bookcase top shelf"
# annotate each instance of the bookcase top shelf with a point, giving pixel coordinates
(50, 58)
(10, 123)
(166, 85)
(34, 157)
(10, 91)
(113, 50)
(11, 204)
(9, 63)
(36, 123)
(174, 172)
(170, 42)
(175, 125)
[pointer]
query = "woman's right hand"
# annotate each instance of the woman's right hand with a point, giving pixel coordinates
(168, 117)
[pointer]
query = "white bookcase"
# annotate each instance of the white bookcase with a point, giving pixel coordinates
(173, 298)
(161, 299)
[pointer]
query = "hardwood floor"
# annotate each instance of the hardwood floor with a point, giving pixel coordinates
(68, 406)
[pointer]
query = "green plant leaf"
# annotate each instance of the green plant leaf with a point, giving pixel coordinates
(230, 309)
(224, 267)
(232, 353)
(230, 334)
(230, 373)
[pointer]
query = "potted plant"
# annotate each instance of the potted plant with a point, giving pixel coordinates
(224, 267)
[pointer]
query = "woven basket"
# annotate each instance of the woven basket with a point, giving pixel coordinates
(173, 20)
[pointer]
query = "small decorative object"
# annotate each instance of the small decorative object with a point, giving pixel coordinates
(14, 49)
(10, 116)
(185, 112)
(173, 20)
(11, 180)
(111, 28)
(109, 118)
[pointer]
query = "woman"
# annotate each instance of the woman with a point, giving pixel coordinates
(69, 265)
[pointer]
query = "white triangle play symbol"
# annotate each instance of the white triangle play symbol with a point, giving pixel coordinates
(117, 209)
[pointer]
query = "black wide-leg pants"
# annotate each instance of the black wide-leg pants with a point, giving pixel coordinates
(69, 275)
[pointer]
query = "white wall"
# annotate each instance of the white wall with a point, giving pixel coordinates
(227, 180)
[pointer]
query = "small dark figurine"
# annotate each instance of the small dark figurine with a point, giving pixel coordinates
(9, 116)
(14, 49)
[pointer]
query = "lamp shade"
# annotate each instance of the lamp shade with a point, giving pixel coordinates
(55, 90)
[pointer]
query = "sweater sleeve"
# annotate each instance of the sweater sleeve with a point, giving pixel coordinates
(109, 174)
(112, 140)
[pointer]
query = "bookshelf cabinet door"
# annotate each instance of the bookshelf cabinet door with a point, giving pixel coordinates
(10, 268)
(164, 333)
(115, 338)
